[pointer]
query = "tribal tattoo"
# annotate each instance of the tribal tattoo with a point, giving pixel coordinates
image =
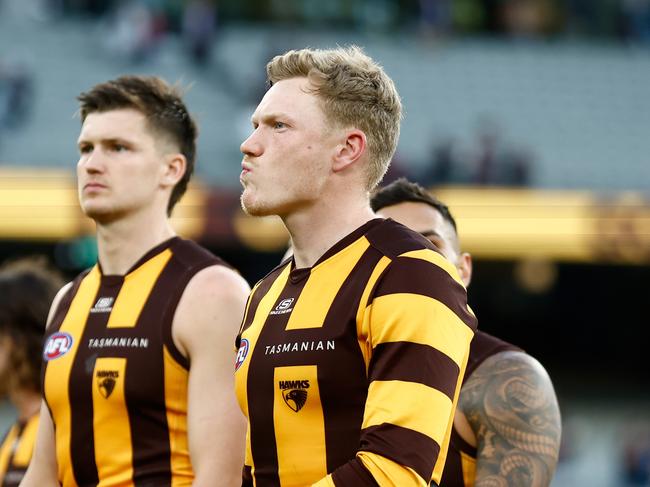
(511, 406)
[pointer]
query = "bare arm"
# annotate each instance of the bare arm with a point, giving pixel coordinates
(511, 406)
(205, 326)
(42, 470)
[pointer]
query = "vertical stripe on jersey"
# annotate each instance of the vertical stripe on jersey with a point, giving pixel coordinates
(325, 281)
(7, 449)
(25, 447)
(346, 415)
(299, 427)
(135, 291)
(57, 375)
(469, 469)
(112, 434)
(259, 308)
(176, 402)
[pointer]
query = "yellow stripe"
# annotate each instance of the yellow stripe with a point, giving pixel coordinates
(5, 450)
(135, 291)
(444, 446)
(436, 259)
(326, 482)
(363, 318)
(299, 434)
(25, 448)
(387, 472)
(381, 407)
(469, 469)
(176, 383)
(57, 374)
(251, 334)
(323, 284)
(420, 319)
(111, 427)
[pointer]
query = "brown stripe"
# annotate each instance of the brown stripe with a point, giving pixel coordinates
(256, 297)
(147, 409)
(81, 382)
(416, 276)
(403, 446)
(393, 239)
(414, 362)
(247, 476)
(353, 473)
(452, 475)
(343, 399)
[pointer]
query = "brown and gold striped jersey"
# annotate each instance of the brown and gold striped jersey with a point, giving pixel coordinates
(460, 467)
(336, 363)
(113, 380)
(16, 451)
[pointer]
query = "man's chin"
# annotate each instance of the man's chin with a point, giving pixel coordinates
(253, 208)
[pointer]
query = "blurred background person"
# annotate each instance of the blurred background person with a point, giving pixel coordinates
(27, 287)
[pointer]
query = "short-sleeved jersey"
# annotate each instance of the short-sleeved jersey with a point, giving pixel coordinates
(16, 451)
(336, 361)
(114, 382)
(460, 467)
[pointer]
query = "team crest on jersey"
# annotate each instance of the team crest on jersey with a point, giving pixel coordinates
(57, 345)
(103, 305)
(242, 353)
(283, 307)
(106, 380)
(294, 393)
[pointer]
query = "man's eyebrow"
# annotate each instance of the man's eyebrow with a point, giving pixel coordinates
(430, 233)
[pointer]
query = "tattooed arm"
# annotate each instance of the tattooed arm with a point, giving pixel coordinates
(511, 407)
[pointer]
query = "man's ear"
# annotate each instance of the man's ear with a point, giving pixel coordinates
(350, 150)
(465, 268)
(174, 169)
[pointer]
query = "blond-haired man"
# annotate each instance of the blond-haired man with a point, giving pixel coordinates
(342, 344)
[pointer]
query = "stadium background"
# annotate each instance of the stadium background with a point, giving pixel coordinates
(529, 117)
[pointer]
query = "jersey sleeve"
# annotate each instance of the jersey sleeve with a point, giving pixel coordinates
(417, 328)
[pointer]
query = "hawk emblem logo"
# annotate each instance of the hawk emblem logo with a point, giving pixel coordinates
(106, 380)
(294, 393)
(295, 398)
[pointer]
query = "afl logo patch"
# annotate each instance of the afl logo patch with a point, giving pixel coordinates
(57, 345)
(241, 353)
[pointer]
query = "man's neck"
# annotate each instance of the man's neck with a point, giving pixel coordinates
(122, 243)
(317, 229)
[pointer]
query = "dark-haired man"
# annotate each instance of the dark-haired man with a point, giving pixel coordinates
(138, 380)
(507, 424)
(27, 287)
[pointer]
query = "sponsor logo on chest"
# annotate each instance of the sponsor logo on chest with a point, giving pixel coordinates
(103, 305)
(285, 306)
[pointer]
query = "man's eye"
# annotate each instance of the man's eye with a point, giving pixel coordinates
(85, 149)
(279, 125)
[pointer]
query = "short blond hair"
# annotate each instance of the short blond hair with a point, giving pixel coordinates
(355, 92)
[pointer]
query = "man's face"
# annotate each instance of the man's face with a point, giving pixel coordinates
(428, 221)
(119, 169)
(287, 158)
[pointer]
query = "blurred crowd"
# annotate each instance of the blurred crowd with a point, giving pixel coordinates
(197, 19)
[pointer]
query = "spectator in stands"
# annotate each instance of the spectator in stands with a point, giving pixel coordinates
(199, 28)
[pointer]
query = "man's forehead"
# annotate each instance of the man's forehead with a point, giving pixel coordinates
(113, 123)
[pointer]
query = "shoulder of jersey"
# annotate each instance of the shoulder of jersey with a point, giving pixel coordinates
(394, 239)
(190, 252)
